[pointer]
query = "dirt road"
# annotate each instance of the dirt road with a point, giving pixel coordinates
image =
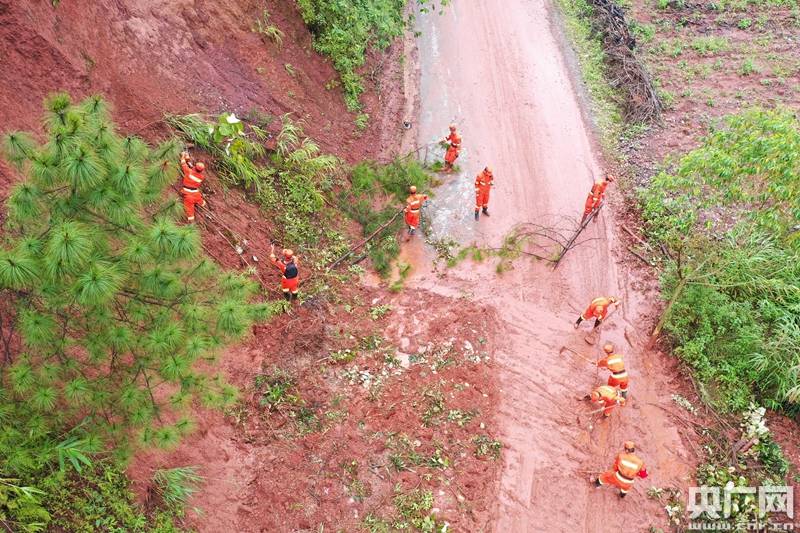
(504, 74)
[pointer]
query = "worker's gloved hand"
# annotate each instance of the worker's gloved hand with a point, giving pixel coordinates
(643, 473)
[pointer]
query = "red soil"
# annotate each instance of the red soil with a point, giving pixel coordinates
(183, 56)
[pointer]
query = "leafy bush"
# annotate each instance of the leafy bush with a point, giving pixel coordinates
(345, 29)
(728, 216)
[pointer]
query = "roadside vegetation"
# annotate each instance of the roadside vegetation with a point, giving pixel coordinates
(346, 31)
(307, 188)
(727, 215)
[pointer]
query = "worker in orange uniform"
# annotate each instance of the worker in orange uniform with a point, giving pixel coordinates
(598, 310)
(453, 141)
(290, 279)
(483, 184)
(413, 206)
(616, 365)
(626, 468)
(607, 398)
(192, 179)
(596, 196)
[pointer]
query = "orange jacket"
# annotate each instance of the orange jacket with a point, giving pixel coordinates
(289, 270)
(598, 308)
(599, 188)
(615, 364)
(414, 202)
(607, 396)
(484, 181)
(628, 466)
(454, 139)
(191, 178)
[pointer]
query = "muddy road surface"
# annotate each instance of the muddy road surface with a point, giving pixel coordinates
(505, 75)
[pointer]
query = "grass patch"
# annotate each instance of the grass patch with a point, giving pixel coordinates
(606, 112)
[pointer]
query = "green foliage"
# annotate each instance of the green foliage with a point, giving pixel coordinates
(605, 101)
(345, 30)
(268, 32)
(710, 45)
(383, 184)
(292, 179)
(113, 300)
(21, 507)
(99, 500)
(176, 485)
(728, 216)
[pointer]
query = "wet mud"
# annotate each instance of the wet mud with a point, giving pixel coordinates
(505, 76)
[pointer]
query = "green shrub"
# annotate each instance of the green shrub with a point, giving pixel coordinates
(728, 216)
(345, 30)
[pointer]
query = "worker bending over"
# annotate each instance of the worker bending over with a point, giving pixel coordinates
(596, 196)
(607, 398)
(598, 309)
(626, 468)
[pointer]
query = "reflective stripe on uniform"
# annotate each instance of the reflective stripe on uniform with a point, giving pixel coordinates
(620, 375)
(623, 479)
(189, 189)
(195, 178)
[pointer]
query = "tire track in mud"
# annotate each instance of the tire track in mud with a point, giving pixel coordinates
(503, 69)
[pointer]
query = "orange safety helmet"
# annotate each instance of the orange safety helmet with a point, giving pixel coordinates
(452, 127)
(412, 189)
(629, 446)
(608, 347)
(287, 253)
(199, 166)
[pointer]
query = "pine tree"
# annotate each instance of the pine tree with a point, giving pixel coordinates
(115, 304)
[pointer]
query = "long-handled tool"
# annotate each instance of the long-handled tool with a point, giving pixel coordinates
(563, 348)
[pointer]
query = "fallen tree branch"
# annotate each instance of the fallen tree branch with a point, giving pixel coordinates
(365, 241)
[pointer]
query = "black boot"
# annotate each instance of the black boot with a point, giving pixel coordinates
(287, 296)
(597, 483)
(477, 214)
(294, 296)
(486, 211)
(597, 322)
(623, 494)
(578, 322)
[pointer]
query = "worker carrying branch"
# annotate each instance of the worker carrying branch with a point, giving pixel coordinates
(616, 365)
(290, 279)
(413, 206)
(192, 179)
(596, 196)
(626, 468)
(607, 398)
(598, 310)
(483, 184)
(453, 141)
